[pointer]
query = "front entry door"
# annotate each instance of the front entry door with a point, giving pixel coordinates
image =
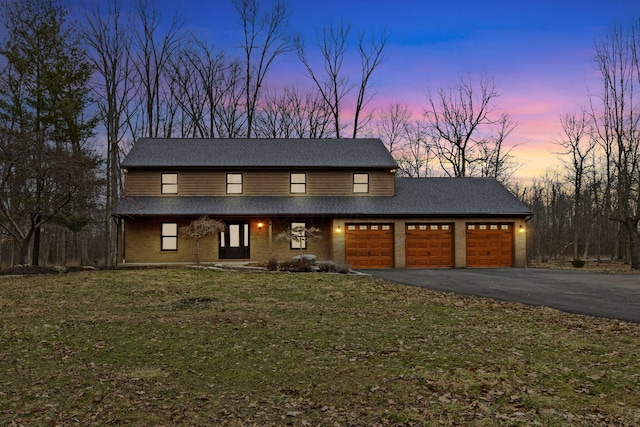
(234, 241)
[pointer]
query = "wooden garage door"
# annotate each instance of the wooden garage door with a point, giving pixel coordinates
(369, 245)
(490, 245)
(429, 245)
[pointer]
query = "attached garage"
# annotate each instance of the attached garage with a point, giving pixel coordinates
(369, 245)
(490, 245)
(429, 245)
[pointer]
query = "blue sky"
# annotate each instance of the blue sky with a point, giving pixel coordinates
(538, 51)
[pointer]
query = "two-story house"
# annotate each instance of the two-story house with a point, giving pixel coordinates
(347, 188)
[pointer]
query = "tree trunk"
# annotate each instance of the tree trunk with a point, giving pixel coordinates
(23, 252)
(36, 246)
(634, 242)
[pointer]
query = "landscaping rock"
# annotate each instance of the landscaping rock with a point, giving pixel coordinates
(306, 257)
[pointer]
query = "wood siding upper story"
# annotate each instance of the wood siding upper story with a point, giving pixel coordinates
(258, 183)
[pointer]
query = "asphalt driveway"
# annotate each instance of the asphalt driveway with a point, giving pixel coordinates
(615, 296)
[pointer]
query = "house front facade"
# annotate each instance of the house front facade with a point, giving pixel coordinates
(346, 188)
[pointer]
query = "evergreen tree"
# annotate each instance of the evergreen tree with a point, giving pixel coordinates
(47, 172)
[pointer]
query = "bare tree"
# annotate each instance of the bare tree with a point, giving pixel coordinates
(277, 116)
(497, 160)
(264, 39)
(154, 45)
(391, 126)
(205, 83)
(469, 139)
(227, 115)
(199, 229)
(549, 231)
(577, 145)
(407, 140)
(333, 83)
(292, 114)
(416, 155)
(109, 42)
(371, 56)
(300, 235)
(616, 123)
(184, 86)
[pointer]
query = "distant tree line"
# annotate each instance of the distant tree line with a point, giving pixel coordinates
(589, 208)
(75, 96)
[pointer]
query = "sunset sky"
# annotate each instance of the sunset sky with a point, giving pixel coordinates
(538, 51)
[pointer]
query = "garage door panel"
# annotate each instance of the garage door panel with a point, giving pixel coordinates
(429, 245)
(374, 243)
(490, 245)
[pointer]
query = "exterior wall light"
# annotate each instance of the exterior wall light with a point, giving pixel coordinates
(522, 228)
(338, 230)
(260, 225)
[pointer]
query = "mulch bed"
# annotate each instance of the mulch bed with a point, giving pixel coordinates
(28, 269)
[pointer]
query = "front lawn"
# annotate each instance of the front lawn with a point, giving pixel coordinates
(179, 346)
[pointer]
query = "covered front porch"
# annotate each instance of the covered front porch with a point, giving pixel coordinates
(244, 239)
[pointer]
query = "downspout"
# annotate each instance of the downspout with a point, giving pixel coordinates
(270, 239)
(120, 240)
(124, 246)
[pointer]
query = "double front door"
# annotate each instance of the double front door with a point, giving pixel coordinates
(234, 241)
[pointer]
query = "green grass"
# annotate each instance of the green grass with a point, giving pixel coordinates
(165, 347)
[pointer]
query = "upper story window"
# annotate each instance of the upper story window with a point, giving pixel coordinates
(169, 183)
(299, 182)
(234, 183)
(360, 182)
(169, 236)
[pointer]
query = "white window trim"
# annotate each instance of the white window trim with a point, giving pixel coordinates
(169, 236)
(361, 183)
(298, 183)
(234, 185)
(169, 183)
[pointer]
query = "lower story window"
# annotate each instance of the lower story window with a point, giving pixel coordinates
(169, 236)
(298, 237)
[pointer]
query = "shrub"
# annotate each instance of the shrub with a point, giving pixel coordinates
(343, 269)
(272, 265)
(332, 267)
(296, 266)
(578, 263)
(326, 266)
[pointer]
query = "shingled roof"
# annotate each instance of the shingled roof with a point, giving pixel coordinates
(420, 197)
(256, 152)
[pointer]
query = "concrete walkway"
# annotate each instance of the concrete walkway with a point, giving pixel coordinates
(615, 296)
